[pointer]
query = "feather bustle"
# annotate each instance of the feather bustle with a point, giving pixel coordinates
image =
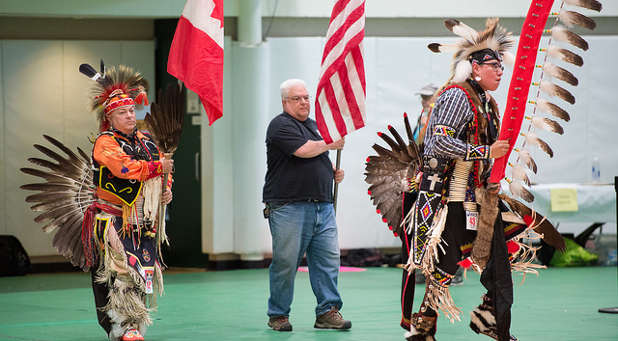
(63, 198)
(387, 174)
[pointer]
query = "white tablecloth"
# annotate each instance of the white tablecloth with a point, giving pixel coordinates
(595, 203)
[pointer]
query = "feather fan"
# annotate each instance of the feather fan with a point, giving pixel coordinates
(165, 121)
(166, 118)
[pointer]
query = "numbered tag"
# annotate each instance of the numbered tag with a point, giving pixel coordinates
(472, 220)
(149, 276)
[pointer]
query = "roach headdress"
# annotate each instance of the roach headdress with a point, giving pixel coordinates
(494, 42)
(114, 87)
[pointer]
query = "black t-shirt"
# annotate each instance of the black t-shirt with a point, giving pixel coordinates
(291, 178)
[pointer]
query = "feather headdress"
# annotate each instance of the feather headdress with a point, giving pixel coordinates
(493, 37)
(109, 83)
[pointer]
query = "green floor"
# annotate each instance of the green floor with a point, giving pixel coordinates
(561, 304)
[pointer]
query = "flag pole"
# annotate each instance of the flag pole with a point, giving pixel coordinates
(336, 184)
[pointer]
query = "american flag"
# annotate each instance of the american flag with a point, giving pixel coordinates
(340, 98)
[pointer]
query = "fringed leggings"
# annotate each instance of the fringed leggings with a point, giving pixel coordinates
(496, 276)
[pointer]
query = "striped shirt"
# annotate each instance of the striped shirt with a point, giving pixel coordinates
(447, 128)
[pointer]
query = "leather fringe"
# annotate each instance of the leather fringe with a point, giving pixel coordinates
(481, 248)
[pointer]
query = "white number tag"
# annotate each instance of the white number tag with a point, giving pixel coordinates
(471, 220)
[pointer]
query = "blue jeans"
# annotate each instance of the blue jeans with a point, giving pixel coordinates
(296, 228)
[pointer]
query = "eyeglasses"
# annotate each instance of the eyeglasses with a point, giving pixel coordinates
(298, 98)
(495, 66)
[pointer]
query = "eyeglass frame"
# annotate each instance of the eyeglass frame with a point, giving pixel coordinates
(298, 98)
(495, 66)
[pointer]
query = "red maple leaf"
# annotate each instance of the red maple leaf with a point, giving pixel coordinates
(217, 12)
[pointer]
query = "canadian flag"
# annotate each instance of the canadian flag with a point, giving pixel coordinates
(196, 54)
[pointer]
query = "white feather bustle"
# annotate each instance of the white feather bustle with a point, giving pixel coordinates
(463, 70)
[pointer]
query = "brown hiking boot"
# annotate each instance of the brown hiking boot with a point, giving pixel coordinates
(332, 319)
(280, 323)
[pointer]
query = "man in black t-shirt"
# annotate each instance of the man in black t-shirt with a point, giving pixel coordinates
(299, 206)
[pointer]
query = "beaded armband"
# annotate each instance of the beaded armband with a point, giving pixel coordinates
(442, 130)
(480, 152)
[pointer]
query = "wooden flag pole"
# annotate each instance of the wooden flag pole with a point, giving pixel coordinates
(336, 184)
